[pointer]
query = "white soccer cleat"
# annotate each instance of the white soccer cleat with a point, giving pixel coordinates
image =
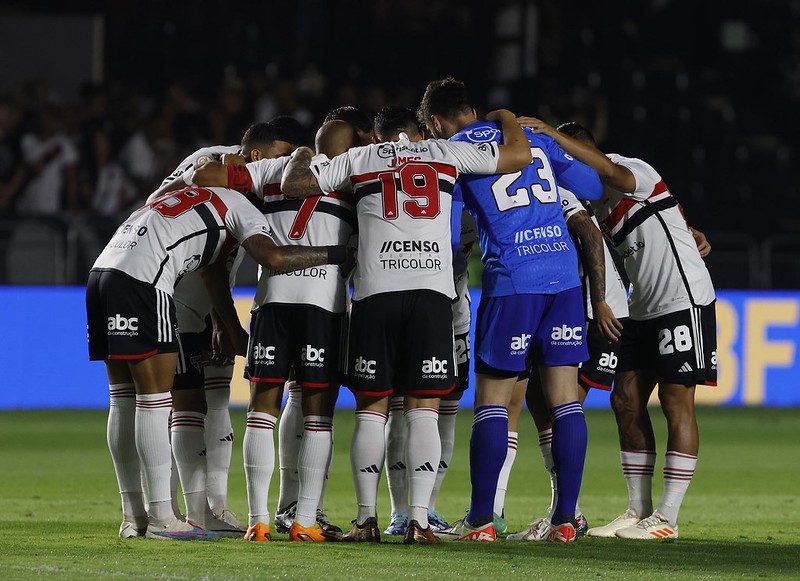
(178, 530)
(655, 526)
(229, 517)
(129, 530)
(628, 518)
(538, 531)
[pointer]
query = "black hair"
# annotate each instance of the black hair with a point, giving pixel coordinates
(264, 134)
(289, 129)
(577, 131)
(392, 120)
(352, 115)
(447, 98)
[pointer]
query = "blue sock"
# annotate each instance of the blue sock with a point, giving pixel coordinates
(487, 452)
(569, 453)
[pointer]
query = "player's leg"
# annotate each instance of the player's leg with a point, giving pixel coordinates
(395, 465)
(290, 437)
(187, 426)
(448, 416)
(514, 411)
(367, 454)
(121, 438)
(317, 372)
(219, 439)
(558, 347)
(268, 362)
(502, 340)
(369, 369)
(258, 451)
(686, 343)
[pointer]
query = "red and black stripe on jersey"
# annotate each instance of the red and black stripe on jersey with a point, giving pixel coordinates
(344, 214)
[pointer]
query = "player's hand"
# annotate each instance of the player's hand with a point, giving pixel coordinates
(233, 159)
(536, 125)
(608, 324)
(497, 114)
(703, 245)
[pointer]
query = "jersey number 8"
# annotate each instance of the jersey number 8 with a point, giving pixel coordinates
(543, 186)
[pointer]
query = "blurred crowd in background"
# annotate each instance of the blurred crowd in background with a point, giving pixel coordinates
(707, 98)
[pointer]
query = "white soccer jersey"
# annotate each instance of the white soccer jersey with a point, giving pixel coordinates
(403, 193)
(200, 158)
(661, 258)
(180, 232)
(317, 221)
(616, 297)
(461, 308)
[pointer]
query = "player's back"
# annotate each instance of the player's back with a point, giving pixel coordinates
(317, 221)
(523, 236)
(178, 233)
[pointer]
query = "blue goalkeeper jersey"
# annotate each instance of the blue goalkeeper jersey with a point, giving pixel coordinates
(525, 246)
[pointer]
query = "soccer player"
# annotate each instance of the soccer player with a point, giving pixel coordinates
(606, 310)
(400, 336)
(296, 325)
(389, 124)
(531, 302)
(670, 338)
(131, 325)
(201, 430)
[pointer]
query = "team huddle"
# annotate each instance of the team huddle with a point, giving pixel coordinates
(391, 207)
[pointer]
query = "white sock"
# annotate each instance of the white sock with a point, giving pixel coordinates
(367, 451)
(219, 435)
(121, 438)
(396, 472)
(174, 480)
(327, 475)
(189, 451)
(155, 455)
(424, 450)
(505, 472)
(637, 467)
(259, 463)
(290, 434)
(546, 449)
(312, 466)
(678, 473)
(448, 414)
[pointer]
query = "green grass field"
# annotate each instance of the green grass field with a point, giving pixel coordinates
(59, 511)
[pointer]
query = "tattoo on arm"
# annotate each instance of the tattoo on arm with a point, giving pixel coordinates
(298, 181)
(592, 253)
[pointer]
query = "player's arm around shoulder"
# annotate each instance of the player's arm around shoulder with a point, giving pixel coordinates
(615, 175)
(515, 151)
(298, 180)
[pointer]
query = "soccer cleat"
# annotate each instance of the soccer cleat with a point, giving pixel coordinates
(397, 526)
(223, 529)
(563, 533)
(315, 534)
(628, 518)
(227, 516)
(583, 525)
(258, 533)
(327, 526)
(500, 525)
(178, 530)
(436, 522)
(367, 532)
(538, 531)
(463, 531)
(129, 530)
(285, 518)
(416, 535)
(655, 526)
